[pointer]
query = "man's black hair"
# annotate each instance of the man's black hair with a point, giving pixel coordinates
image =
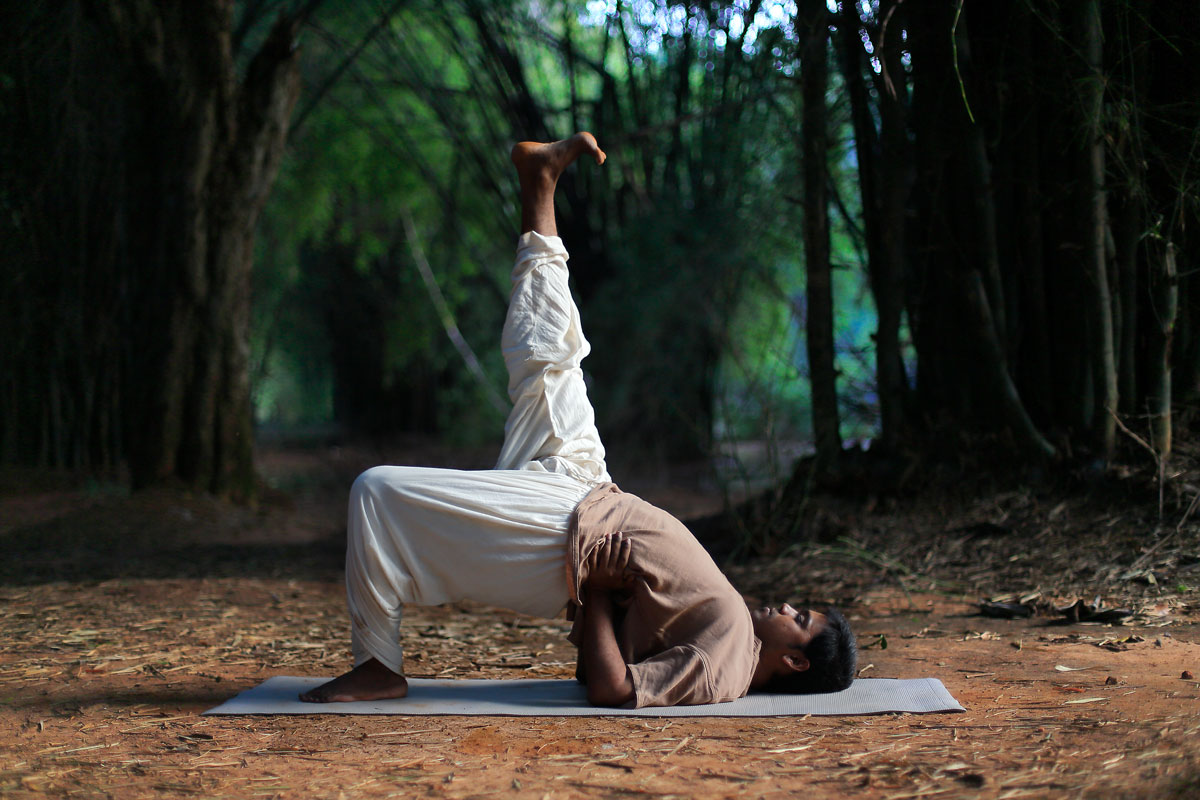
(832, 658)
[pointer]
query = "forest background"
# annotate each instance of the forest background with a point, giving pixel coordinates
(935, 226)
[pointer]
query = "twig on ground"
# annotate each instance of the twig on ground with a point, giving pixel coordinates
(1160, 463)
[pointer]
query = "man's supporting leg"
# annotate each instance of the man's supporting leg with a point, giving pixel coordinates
(426, 536)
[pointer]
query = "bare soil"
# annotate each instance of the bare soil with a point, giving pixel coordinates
(123, 617)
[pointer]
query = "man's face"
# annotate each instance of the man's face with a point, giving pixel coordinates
(785, 628)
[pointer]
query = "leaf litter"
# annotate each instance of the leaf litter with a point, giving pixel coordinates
(103, 678)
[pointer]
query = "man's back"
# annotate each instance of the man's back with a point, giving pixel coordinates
(683, 629)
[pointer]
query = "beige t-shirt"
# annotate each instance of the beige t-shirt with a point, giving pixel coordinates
(683, 629)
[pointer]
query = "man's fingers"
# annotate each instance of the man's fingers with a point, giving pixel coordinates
(613, 550)
(595, 556)
(609, 558)
(599, 555)
(623, 554)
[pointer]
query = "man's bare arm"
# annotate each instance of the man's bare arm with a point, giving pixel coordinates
(609, 682)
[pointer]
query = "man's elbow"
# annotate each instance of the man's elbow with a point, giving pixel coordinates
(609, 696)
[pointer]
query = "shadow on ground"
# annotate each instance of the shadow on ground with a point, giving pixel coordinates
(71, 702)
(170, 535)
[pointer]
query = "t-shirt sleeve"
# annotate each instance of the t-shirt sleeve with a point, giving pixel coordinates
(679, 676)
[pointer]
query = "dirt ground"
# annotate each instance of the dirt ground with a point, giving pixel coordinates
(124, 617)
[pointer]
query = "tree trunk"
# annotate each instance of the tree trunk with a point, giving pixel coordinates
(1165, 299)
(204, 153)
(983, 204)
(814, 31)
(960, 346)
(1102, 356)
(995, 370)
(1035, 354)
(894, 177)
(882, 230)
(1128, 229)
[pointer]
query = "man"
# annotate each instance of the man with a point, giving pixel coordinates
(656, 622)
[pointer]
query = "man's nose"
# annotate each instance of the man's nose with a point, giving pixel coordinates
(787, 610)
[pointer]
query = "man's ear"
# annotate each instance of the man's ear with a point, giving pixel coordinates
(797, 662)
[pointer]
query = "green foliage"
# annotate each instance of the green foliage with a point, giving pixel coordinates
(686, 246)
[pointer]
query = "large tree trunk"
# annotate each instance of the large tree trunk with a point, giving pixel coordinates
(963, 377)
(814, 64)
(63, 305)
(202, 155)
(133, 216)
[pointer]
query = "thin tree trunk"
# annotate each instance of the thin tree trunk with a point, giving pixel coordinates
(978, 173)
(819, 319)
(895, 176)
(1096, 285)
(1131, 221)
(1165, 299)
(1127, 235)
(1036, 354)
(996, 371)
(882, 250)
(641, 119)
(895, 167)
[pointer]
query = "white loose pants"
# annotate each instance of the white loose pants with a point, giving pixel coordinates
(428, 536)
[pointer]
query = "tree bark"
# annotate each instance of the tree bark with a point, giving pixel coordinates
(1036, 352)
(961, 353)
(204, 152)
(1128, 228)
(895, 175)
(1165, 299)
(978, 171)
(1102, 355)
(881, 226)
(814, 31)
(996, 370)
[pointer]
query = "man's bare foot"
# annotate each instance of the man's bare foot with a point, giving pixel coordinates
(370, 680)
(539, 166)
(538, 162)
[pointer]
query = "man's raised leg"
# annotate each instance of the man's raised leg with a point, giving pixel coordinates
(539, 166)
(552, 424)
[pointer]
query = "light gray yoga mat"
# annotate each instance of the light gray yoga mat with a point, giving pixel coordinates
(566, 698)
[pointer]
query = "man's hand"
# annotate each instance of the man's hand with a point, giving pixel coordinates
(608, 563)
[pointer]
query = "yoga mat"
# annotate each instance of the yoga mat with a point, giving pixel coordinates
(566, 698)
